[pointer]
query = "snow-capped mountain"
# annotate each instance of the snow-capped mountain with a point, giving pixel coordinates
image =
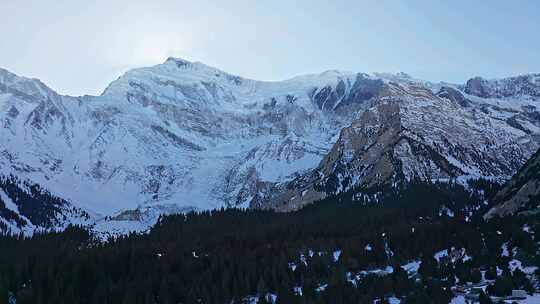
(412, 132)
(173, 137)
(524, 85)
(182, 135)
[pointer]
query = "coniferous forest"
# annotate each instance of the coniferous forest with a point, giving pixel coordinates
(415, 246)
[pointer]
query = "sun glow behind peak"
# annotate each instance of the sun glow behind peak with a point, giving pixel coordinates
(154, 48)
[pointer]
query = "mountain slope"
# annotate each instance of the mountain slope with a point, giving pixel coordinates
(173, 137)
(522, 192)
(184, 136)
(25, 207)
(414, 133)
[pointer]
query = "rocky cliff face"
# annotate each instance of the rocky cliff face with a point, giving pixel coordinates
(524, 85)
(182, 136)
(521, 193)
(411, 133)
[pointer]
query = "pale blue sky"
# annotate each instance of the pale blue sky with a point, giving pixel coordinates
(78, 47)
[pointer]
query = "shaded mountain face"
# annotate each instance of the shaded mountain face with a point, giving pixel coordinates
(521, 193)
(25, 207)
(184, 136)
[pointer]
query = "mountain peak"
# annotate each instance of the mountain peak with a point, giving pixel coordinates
(521, 85)
(17, 84)
(178, 61)
(8, 76)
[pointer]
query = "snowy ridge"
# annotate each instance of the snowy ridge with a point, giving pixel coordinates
(184, 136)
(523, 86)
(411, 133)
(176, 136)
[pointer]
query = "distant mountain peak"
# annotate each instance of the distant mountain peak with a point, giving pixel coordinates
(183, 63)
(522, 85)
(176, 60)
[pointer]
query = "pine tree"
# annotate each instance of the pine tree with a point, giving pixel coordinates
(484, 299)
(262, 290)
(476, 276)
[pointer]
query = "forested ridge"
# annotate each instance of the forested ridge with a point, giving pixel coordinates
(335, 251)
(34, 205)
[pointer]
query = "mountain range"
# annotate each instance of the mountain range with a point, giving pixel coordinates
(183, 136)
